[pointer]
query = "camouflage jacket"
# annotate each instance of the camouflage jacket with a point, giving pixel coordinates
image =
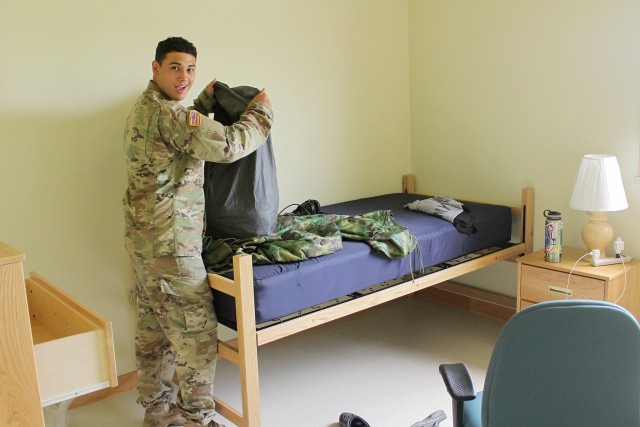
(165, 147)
(302, 237)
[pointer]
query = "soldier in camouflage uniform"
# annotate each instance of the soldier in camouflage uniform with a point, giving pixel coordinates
(165, 146)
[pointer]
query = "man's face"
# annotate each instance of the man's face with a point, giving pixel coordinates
(175, 75)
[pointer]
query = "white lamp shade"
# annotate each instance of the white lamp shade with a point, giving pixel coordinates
(599, 185)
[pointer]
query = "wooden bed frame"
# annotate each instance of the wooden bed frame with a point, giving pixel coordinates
(243, 351)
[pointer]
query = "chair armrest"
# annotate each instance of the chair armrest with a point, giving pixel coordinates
(458, 381)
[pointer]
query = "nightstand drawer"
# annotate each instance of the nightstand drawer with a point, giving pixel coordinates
(539, 284)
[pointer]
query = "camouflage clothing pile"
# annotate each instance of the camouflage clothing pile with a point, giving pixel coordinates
(298, 238)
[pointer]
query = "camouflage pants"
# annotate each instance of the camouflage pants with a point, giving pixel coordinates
(176, 334)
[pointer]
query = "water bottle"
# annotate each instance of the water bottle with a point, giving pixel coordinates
(553, 236)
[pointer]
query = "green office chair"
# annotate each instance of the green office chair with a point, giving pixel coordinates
(557, 363)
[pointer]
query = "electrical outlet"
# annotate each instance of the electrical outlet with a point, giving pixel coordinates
(131, 296)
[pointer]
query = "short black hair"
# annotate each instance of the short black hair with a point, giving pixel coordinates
(174, 44)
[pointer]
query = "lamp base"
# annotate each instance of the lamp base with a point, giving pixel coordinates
(597, 233)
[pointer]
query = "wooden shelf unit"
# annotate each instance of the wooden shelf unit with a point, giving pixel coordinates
(52, 347)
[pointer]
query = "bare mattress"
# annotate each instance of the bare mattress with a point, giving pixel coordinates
(287, 290)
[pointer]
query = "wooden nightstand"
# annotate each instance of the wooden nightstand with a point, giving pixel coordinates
(539, 280)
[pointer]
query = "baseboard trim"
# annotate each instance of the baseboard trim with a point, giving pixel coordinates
(465, 297)
(471, 299)
(126, 382)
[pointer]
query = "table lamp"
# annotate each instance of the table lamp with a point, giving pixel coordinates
(599, 190)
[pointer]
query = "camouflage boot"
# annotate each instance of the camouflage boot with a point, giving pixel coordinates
(166, 415)
(209, 424)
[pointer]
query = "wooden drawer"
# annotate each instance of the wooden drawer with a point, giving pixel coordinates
(73, 345)
(524, 304)
(539, 284)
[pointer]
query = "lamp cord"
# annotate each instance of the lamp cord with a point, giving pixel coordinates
(624, 267)
(624, 289)
(566, 296)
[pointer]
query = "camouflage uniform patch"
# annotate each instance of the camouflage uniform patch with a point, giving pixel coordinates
(194, 118)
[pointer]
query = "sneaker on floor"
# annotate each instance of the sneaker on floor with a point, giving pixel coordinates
(166, 415)
(432, 420)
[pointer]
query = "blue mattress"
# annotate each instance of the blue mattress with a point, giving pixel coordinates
(286, 289)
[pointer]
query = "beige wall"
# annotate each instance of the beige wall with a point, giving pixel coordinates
(336, 71)
(507, 94)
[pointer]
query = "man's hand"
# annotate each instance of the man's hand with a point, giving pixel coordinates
(262, 98)
(209, 88)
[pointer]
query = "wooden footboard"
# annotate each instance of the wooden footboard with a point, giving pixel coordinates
(243, 350)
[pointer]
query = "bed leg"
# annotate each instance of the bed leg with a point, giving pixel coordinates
(527, 218)
(247, 340)
(408, 184)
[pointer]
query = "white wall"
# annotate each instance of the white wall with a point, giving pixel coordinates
(336, 71)
(507, 94)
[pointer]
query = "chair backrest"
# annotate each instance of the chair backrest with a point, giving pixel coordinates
(565, 363)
